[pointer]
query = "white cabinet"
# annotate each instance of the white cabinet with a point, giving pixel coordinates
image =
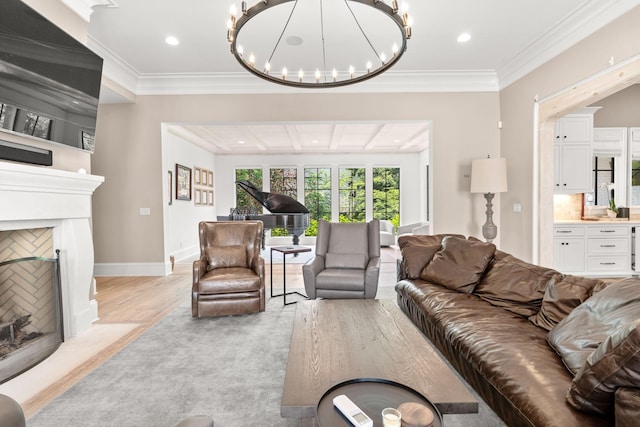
(596, 250)
(575, 128)
(608, 248)
(572, 151)
(572, 166)
(569, 249)
(610, 142)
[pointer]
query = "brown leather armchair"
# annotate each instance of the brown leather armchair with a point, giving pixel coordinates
(347, 261)
(228, 278)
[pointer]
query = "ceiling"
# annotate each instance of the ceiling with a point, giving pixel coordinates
(509, 38)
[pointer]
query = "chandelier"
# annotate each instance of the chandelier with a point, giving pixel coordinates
(321, 43)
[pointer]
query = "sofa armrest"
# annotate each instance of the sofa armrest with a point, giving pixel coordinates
(371, 276)
(627, 406)
(401, 270)
(199, 270)
(309, 272)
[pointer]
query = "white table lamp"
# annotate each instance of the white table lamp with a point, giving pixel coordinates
(489, 176)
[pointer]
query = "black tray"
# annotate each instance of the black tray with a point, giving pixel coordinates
(371, 395)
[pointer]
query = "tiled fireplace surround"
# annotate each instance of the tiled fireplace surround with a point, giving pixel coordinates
(38, 197)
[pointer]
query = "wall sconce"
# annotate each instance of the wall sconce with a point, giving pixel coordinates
(489, 176)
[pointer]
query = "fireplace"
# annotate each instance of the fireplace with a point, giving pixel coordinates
(30, 304)
(57, 203)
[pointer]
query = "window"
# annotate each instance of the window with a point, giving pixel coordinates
(283, 181)
(317, 197)
(244, 199)
(352, 195)
(386, 194)
(603, 174)
(635, 182)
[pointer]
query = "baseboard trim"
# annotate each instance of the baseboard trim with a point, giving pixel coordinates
(131, 269)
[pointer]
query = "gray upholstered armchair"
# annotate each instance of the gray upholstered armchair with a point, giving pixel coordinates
(229, 276)
(346, 263)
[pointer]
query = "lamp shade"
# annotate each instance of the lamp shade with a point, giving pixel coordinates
(489, 175)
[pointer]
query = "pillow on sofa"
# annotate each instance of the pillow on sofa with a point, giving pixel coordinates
(612, 309)
(416, 257)
(515, 285)
(614, 364)
(418, 250)
(226, 256)
(563, 294)
(459, 264)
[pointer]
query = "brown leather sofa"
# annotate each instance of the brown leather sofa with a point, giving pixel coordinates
(541, 348)
(228, 278)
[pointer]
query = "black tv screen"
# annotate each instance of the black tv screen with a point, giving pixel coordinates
(49, 82)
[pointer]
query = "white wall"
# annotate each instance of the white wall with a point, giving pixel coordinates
(181, 218)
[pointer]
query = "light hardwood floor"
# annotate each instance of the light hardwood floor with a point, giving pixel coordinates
(142, 301)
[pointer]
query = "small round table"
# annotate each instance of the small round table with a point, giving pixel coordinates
(372, 396)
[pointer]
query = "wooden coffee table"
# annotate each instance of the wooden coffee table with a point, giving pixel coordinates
(339, 340)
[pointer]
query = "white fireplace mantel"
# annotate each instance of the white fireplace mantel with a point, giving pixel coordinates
(35, 197)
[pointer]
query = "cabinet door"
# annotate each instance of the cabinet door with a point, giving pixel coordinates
(568, 255)
(576, 168)
(557, 167)
(574, 129)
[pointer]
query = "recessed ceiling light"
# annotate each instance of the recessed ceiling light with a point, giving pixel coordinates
(464, 37)
(315, 141)
(240, 142)
(172, 41)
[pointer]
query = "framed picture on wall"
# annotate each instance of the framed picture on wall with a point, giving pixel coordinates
(204, 177)
(210, 198)
(183, 182)
(196, 177)
(197, 197)
(210, 178)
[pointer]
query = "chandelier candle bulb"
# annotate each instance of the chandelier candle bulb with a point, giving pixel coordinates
(301, 75)
(267, 67)
(244, 7)
(351, 70)
(284, 73)
(334, 73)
(317, 76)
(394, 5)
(252, 59)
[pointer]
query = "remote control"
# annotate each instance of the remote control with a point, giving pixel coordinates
(352, 412)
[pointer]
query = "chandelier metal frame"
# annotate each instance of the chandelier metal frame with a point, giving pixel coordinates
(235, 25)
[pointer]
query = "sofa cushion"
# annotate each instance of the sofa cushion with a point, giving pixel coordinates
(614, 364)
(333, 260)
(459, 264)
(515, 285)
(563, 294)
(607, 312)
(226, 256)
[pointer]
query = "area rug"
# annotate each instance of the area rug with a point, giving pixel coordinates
(230, 368)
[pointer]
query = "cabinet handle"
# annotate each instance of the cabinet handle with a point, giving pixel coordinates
(607, 246)
(607, 263)
(607, 231)
(564, 231)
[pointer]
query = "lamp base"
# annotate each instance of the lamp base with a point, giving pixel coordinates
(489, 229)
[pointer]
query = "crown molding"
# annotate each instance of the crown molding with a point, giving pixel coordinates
(245, 83)
(84, 8)
(586, 20)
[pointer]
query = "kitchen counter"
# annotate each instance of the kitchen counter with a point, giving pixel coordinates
(599, 220)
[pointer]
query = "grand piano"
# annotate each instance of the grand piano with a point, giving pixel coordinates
(286, 212)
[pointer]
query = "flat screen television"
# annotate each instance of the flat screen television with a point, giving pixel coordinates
(49, 82)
